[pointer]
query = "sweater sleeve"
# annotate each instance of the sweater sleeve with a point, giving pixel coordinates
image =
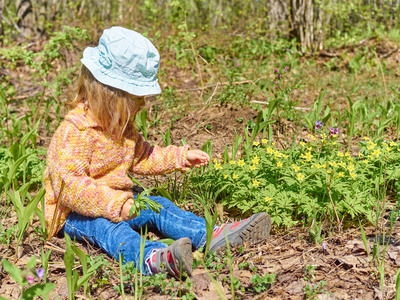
(69, 161)
(154, 160)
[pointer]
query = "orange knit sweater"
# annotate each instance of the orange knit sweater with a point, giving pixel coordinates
(95, 169)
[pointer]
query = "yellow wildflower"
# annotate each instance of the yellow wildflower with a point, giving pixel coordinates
(329, 172)
(388, 149)
(269, 150)
(256, 183)
(225, 176)
(341, 174)
(376, 152)
(296, 168)
(351, 167)
(215, 160)
(273, 144)
(233, 162)
(268, 199)
(277, 154)
(347, 154)
(384, 144)
(279, 164)
(235, 176)
(256, 143)
(392, 144)
(300, 176)
(308, 155)
(340, 154)
(365, 138)
(264, 141)
(352, 175)
(333, 164)
(218, 167)
(360, 154)
(253, 168)
(309, 148)
(349, 158)
(323, 135)
(241, 163)
(334, 135)
(365, 161)
(255, 160)
(302, 144)
(371, 146)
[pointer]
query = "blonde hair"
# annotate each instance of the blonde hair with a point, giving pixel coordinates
(113, 109)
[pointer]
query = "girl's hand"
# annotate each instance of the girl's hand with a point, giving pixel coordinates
(196, 158)
(125, 211)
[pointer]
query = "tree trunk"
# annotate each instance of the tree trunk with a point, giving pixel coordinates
(307, 20)
(277, 14)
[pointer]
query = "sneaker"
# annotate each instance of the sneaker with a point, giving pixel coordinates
(178, 258)
(251, 230)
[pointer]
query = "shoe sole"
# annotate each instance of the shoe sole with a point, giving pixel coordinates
(256, 231)
(182, 252)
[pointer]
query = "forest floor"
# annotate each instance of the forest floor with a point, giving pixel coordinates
(336, 267)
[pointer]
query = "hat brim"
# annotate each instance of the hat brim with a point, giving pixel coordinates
(91, 58)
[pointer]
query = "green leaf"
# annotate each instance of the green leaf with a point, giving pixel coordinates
(16, 274)
(30, 265)
(38, 290)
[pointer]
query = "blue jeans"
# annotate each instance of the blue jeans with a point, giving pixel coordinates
(116, 238)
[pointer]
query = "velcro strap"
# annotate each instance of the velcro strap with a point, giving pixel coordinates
(162, 257)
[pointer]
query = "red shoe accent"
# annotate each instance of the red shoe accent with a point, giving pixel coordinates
(218, 231)
(235, 224)
(169, 258)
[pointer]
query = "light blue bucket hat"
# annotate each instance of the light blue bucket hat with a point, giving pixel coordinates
(126, 60)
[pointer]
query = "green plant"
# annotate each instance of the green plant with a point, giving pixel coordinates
(27, 277)
(262, 283)
(74, 282)
(44, 257)
(314, 289)
(141, 121)
(316, 235)
(142, 202)
(309, 272)
(24, 214)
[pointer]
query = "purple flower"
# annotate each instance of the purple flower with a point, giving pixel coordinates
(40, 272)
(324, 245)
(277, 87)
(318, 125)
(287, 69)
(236, 59)
(30, 279)
(337, 130)
(238, 65)
(276, 71)
(280, 75)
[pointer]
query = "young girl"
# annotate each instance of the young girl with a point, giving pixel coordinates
(96, 148)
